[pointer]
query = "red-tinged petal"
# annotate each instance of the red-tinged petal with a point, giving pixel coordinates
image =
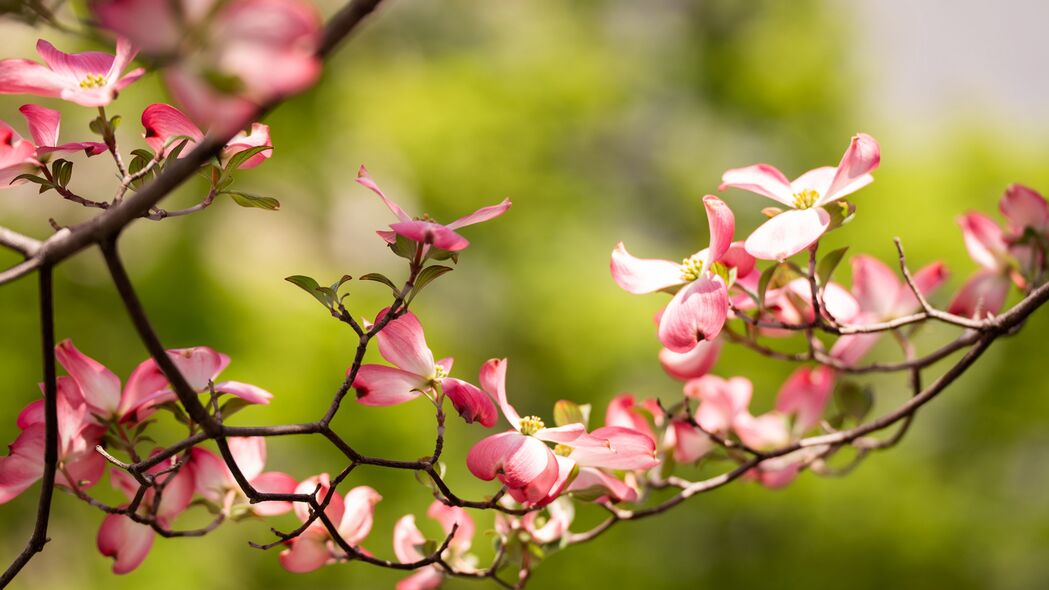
(594, 481)
(273, 482)
(153, 25)
(178, 493)
(493, 381)
(875, 286)
(379, 385)
(805, 393)
(471, 403)
(125, 52)
(126, 541)
(427, 578)
(532, 495)
(163, 122)
(569, 434)
(258, 136)
(1024, 207)
(627, 449)
(365, 180)
(690, 443)
(308, 552)
(90, 148)
(406, 540)
(403, 343)
(250, 454)
(450, 516)
(43, 123)
(357, 519)
(521, 462)
(249, 393)
(218, 111)
(983, 294)
(390, 237)
(761, 179)
(767, 431)
(692, 364)
(720, 401)
(849, 349)
(837, 301)
(860, 159)
(642, 275)
(984, 241)
(788, 233)
(434, 234)
(74, 66)
(146, 387)
(722, 226)
(482, 214)
(623, 411)
(198, 365)
(101, 388)
(33, 413)
(124, 483)
(928, 279)
(211, 478)
(21, 76)
(737, 257)
(696, 313)
(84, 471)
(778, 478)
(25, 465)
(334, 510)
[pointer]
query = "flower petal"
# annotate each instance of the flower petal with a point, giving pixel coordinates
(406, 539)
(805, 394)
(482, 214)
(25, 465)
(21, 76)
(692, 364)
(357, 518)
(101, 388)
(722, 225)
(163, 122)
(522, 463)
(984, 241)
(787, 234)
(690, 443)
(928, 279)
(434, 234)
(126, 541)
(258, 136)
(849, 349)
(623, 411)
(273, 482)
(198, 365)
(365, 180)
(1024, 207)
(450, 516)
(626, 449)
(493, 381)
(596, 482)
(982, 295)
(696, 313)
(249, 393)
(427, 578)
(308, 552)
(403, 343)
(471, 403)
(74, 66)
(860, 159)
(875, 285)
(721, 401)
(250, 454)
(761, 179)
(643, 275)
(43, 123)
(379, 385)
(767, 431)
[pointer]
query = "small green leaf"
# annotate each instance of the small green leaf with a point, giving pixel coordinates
(566, 412)
(438, 254)
(764, 281)
(115, 122)
(252, 200)
(426, 277)
(232, 406)
(854, 400)
(379, 278)
(404, 247)
(310, 286)
(841, 212)
(239, 158)
(826, 267)
(141, 153)
(98, 126)
(31, 178)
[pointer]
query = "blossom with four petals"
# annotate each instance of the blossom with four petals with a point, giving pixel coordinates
(215, 482)
(90, 79)
(352, 517)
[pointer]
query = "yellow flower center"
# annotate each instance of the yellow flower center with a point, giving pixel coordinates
(805, 199)
(531, 424)
(563, 450)
(440, 372)
(93, 81)
(691, 268)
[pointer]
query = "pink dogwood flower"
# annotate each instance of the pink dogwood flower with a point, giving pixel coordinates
(692, 364)
(699, 308)
(426, 231)
(800, 226)
(882, 297)
(402, 343)
(90, 79)
(164, 123)
(43, 126)
(531, 471)
(128, 542)
(352, 515)
(408, 539)
(985, 291)
(215, 483)
(17, 157)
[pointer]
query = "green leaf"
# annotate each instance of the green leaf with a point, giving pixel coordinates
(764, 281)
(141, 153)
(854, 401)
(379, 278)
(232, 406)
(438, 254)
(404, 247)
(566, 412)
(62, 171)
(31, 178)
(239, 158)
(252, 200)
(338, 284)
(176, 410)
(98, 126)
(426, 277)
(115, 122)
(310, 286)
(841, 212)
(825, 268)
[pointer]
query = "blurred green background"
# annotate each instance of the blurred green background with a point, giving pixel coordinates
(604, 120)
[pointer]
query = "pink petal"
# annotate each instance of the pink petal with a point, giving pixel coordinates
(471, 403)
(850, 348)
(837, 301)
(427, 578)
(126, 541)
(627, 449)
(90, 148)
(211, 478)
(406, 539)
(928, 279)
(767, 431)
(273, 482)
(805, 393)
(125, 53)
(574, 434)
(198, 365)
(101, 388)
(696, 313)
(250, 454)
(356, 521)
(643, 275)
(694, 363)
(737, 257)
(25, 465)
(177, 494)
(522, 463)
(364, 179)
(1024, 207)
(493, 381)
(761, 179)
(529, 495)
(434, 234)
(258, 136)
(721, 401)
(308, 552)
(875, 285)
(983, 294)
(85, 470)
(402, 343)
(162, 122)
(152, 25)
(860, 159)
(74, 66)
(334, 510)
(21, 76)
(482, 214)
(622, 411)
(450, 516)
(817, 179)
(220, 112)
(43, 123)
(984, 240)
(145, 388)
(595, 481)
(690, 443)
(246, 392)
(787, 234)
(722, 225)
(379, 385)
(561, 513)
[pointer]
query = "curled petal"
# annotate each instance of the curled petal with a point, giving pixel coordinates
(450, 516)
(626, 449)
(721, 401)
(257, 136)
(875, 286)
(126, 541)
(101, 388)
(788, 233)
(983, 294)
(273, 482)
(806, 393)
(357, 518)
(697, 312)
(1024, 207)
(623, 411)
(482, 214)
(403, 343)
(597, 482)
(569, 434)
(761, 179)
(860, 159)
(379, 385)
(522, 463)
(434, 234)
(365, 180)
(43, 123)
(984, 241)
(493, 381)
(643, 275)
(692, 364)
(249, 393)
(471, 403)
(145, 388)
(737, 257)
(722, 226)
(407, 538)
(308, 552)
(163, 122)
